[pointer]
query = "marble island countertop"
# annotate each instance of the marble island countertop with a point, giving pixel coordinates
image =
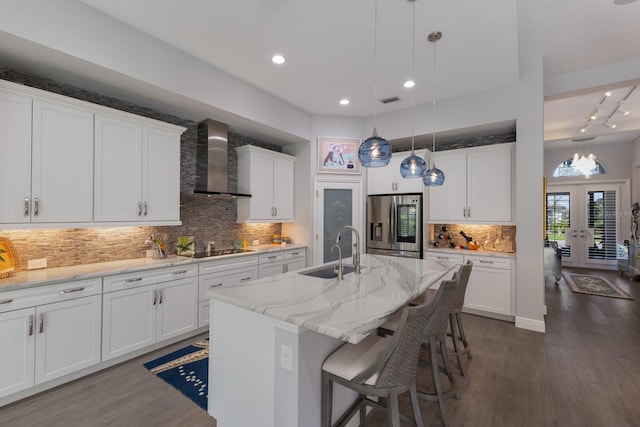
(48, 276)
(349, 309)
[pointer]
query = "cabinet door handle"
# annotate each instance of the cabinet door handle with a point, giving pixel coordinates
(468, 212)
(273, 257)
(155, 297)
(26, 206)
(41, 323)
(160, 300)
(139, 208)
(146, 208)
(36, 206)
(215, 286)
(30, 324)
(244, 279)
(137, 279)
(442, 257)
(486, 262)
(175, 273)
(68, 291)
(6, 301)
(284, 268)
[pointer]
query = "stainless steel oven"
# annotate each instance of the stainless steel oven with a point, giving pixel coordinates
(394, 225)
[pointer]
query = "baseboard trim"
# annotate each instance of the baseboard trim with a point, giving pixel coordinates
(530, 324)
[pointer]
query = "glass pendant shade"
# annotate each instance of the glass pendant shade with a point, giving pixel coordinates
(434, 177)
(375, 151)
(413, 166)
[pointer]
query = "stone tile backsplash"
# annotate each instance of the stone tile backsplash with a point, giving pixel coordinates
(483, 235)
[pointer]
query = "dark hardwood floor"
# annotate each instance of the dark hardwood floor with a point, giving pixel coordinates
(585, 371)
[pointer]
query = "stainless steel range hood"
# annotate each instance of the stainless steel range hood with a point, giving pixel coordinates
(211, 161)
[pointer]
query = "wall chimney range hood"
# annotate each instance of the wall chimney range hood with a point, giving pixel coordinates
(211, 161)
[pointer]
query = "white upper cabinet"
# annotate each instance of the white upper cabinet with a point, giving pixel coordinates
(66, 162)
(268, 176)
(388, 180)
(15, 158)
(137, 172)
(478, 186)
(46, 166)
(118, 185)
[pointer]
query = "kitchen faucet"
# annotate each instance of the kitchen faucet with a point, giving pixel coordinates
(356, 254)
(340, 274)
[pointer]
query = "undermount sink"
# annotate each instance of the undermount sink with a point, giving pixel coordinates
(328, 271)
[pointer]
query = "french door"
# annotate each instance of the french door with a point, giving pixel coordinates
(337, 203)
(583, 219)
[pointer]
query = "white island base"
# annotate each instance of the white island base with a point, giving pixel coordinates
(249, 380)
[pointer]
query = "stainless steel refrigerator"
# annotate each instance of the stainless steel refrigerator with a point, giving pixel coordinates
(394, 225)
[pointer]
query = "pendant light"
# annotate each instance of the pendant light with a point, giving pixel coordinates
(375, 151)
(413, 166)
(434, 177)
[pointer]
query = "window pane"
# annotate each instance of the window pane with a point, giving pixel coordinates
(559, 219)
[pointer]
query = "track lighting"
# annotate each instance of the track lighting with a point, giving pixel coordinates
(608, 124)
(585, 128)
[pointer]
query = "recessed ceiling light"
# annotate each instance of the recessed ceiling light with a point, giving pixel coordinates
(409, 84)
(278, 59)
(344, 102)
(607, 93)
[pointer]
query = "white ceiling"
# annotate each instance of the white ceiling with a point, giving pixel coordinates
(329, 49)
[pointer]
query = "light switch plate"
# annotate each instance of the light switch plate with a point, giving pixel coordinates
(34, 264)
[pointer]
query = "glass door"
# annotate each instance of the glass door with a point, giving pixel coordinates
(337, 204)
(583, 219)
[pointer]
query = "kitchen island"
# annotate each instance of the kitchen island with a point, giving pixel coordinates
(270, 336)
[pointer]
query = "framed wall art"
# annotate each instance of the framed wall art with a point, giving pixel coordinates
(338, 155)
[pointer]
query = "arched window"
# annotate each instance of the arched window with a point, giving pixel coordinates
(566, 169)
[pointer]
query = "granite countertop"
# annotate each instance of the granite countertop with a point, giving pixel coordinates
(350, 309)
(48, 276)
(482, 252)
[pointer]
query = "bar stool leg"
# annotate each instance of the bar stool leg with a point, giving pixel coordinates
(462, 335)
(417, 415)
(454, 338)
(327, 401)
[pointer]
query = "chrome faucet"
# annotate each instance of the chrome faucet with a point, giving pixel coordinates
(335, 245)
(356, 254)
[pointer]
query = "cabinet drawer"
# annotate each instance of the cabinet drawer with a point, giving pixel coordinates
(489, 262)
(292, 254)
(271, 257)
(214, 266)
(459, 258)
(225, 279)
(31, 297)
(147, 277)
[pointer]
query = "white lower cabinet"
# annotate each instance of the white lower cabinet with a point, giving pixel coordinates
(142, 309)
(491, 284)
(277, 262)
(48, 332)
(223, 273)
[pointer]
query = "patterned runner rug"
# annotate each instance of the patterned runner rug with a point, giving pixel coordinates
(593, 285)
(187, 370)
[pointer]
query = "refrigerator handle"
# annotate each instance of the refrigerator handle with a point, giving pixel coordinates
(392, 225)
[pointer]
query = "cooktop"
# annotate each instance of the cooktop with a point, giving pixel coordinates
(219, 252)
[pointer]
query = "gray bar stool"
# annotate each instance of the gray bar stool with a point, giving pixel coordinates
(381, 367)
